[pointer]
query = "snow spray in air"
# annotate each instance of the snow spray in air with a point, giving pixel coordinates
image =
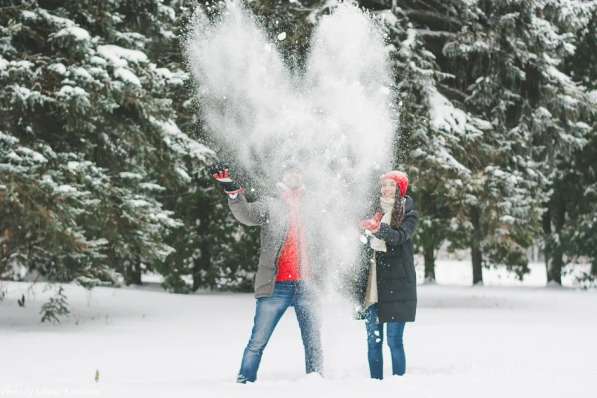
(335, 119)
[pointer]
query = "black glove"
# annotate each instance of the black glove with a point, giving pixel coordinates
(221, 174)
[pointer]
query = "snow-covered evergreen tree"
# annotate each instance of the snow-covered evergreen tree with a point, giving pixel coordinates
(426, 143)
(102, 152)
(461, 191)
(513, 52)
(579, 236)
(90, 137)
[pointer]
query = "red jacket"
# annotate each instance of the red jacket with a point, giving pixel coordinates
(292, 255)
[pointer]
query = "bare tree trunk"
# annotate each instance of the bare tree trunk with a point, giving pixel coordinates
(133, 272)
(429, 255)
(429, 240)
(137, 272)
(555, 269)
(547, 248)
(554, 252)
(5, 240)
(476, 254)
(477, 259)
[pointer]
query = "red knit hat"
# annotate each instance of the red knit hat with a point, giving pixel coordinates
(399, 178)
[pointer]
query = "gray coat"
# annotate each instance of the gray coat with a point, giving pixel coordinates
(271, 214)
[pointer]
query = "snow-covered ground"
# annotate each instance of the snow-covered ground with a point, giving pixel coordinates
(491, 341)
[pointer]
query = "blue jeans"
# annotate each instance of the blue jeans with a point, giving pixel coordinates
(375, 341)
(267, 314)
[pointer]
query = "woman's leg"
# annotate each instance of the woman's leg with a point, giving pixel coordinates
(374, 342)
(395, 341)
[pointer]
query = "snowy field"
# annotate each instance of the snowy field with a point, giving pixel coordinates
(492, 341)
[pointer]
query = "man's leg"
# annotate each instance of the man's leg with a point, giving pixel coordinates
(374, 342)
(305, 306)
(395, 333)
(268, 312)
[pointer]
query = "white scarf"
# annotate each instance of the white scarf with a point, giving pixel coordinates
(387, 206)
(371, 297)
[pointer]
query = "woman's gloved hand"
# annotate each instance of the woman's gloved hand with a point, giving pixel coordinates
(372, 224)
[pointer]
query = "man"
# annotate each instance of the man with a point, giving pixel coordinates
(283, 267)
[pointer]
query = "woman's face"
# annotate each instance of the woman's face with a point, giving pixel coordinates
(388, 188)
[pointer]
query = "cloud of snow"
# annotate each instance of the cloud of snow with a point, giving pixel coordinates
(335, 119)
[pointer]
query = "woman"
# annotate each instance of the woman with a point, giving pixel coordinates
(386, 282)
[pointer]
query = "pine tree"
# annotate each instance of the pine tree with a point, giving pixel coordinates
(56, 307)
(426, 145)
(208, 243)
(514, 52)
(579, 236)
(93, 118)
(459, 191)
(103, 152)
(212, 247)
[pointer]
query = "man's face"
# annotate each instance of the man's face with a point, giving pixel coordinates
(293, 179)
